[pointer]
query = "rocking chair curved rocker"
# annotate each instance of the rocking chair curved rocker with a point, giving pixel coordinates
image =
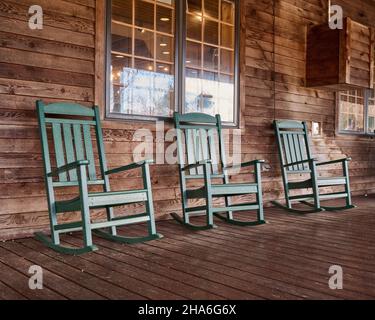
(295, 158)
(71, 127)
(201, 153)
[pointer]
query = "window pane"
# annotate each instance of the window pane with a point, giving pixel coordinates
(227, 61)
(351, 111)
(227, 11)
(142, 70)
(168, 2)
(194, 27)
(121, 38)
(119, 65)
(210, 91)
(227, 36)
(141, 64)
(164, 19)
(226, 97)
(193, 54)
(211, 8)
(164, 48)
(194, 6)
(164, 68)
(193, 89)
(144, 14)
(211, 55)
(371, 112)
(144, 43)
(122, 10)
(211, 32)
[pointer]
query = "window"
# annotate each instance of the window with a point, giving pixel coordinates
(146, 42)
(357, 112)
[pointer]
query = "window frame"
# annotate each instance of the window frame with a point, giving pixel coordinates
(365, 132)
(179, 66)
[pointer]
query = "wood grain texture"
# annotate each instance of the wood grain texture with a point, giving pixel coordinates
(65, 62)
(289, 258)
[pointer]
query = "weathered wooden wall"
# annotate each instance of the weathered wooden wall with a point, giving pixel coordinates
(58, 63)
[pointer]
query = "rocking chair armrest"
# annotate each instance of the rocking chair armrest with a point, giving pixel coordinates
(67, 167)
(300, 162)
(245, 164)
(132, 166)
(334, 161)
(195, 165)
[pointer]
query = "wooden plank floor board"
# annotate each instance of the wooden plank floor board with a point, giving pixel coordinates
(7, 293)
(310, 243)
(160, 276)
(288, 255)
(293, 246)
(266, 274)
(130, 276)
(19, 281)
(209, 260)
(68, 289)
(76, 275)
(288, 258)
(183, 272)
(103, 275)
(271, 261)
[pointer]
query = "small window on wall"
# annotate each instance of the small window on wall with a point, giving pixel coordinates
(160, 52)
(356, 112)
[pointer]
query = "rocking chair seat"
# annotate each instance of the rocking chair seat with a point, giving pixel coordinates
(331, 181)
(221, 190)
(103, 200)
(321, 181)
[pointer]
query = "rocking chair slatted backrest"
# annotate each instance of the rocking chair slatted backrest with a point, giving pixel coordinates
(292, 138)
(71, 126)
(199, 137)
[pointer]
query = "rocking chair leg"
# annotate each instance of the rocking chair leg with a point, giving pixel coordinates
(62, 249)
(347, 184)
(239, 222)
(327, 208)
(297, 211)
(85, 210)
(190, 226)
(127, 240)
(227, 204)
(110, 216)
(339, 208)
(149, 203)
(259, 194)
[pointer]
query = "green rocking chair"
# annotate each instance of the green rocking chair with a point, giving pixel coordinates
(295, 158)
(201, 154)
(69, 127)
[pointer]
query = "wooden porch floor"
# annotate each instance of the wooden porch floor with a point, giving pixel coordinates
(288, 258)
